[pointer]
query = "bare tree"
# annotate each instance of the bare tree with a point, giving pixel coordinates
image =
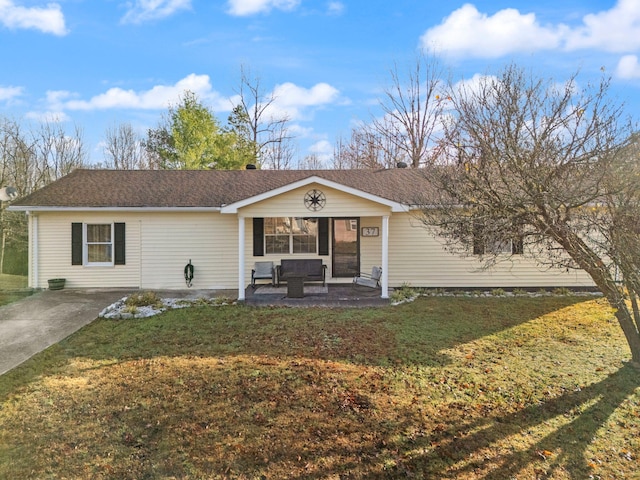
(534, 165)
(123, 149)
(254, 118)
(311, 162)
(32, 159)
(56, 152)
(278, 154)
(412, 108)
(366, 148)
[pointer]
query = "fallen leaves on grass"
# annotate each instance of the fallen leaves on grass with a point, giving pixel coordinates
(475, 388)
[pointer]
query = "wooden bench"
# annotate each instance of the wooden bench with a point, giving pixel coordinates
(312, 269)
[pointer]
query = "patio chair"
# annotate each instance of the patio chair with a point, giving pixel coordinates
(368, 280)
(263, 271)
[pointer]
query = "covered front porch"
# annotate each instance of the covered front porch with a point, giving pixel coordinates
(309, 219)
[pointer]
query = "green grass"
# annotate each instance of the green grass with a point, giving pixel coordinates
(12, 288)
(443, 387)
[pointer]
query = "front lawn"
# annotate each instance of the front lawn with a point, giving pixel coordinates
(464, 388)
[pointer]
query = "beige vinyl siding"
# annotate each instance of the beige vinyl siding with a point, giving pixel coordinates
(291, 204)
(418, 259)
(370, 247)
(54, 252)
(209, 240)
(158, 246)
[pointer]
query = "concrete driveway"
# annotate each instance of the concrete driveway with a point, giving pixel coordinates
(32, 324)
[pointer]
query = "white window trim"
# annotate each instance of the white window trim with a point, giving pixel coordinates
(290, 235)
(85, 247)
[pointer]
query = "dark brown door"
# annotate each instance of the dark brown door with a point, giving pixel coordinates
(346, 247)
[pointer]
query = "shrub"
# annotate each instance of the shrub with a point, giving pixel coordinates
(405, 292)
(561, 291)
(143, 299)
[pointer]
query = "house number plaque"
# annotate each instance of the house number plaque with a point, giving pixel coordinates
(370, 231)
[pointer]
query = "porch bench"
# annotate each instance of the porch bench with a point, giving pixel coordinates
(312, 269)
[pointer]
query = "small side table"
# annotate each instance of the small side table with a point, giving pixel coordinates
(295, 286)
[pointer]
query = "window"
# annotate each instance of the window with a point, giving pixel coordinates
(290, 235)
(98, 244)
(488, 243)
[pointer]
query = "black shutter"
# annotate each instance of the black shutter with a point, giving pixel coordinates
(119, 244)
(517, 245)
(478, 238)
(258, 237)
(76, 244)
(323, 236)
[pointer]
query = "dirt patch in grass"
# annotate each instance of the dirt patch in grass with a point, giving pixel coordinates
(440, 388)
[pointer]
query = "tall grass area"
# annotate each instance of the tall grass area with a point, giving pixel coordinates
(12, 288)
(444, 387)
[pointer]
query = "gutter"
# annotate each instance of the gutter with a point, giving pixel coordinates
(20, 208)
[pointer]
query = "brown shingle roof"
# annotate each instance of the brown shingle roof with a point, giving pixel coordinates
(208, 188)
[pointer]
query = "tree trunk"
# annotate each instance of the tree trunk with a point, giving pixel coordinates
(589, 261)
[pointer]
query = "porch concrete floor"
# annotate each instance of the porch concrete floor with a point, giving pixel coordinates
(337, 296)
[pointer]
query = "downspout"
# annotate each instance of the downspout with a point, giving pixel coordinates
(33, 250)
(385, 257)
(241, 235)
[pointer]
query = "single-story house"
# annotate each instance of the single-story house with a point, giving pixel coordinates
(139, 228)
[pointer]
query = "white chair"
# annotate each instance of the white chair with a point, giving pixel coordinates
(263, 271)
(366, 280)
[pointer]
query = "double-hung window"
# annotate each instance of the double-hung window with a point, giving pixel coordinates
(98, 244)
(486, 242)
(290, 235)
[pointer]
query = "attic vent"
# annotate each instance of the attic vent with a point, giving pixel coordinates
(401, 165)
(250, 166)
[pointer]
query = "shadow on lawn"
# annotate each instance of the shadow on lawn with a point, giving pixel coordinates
(411, 334)
(451, 440)
(447, 452)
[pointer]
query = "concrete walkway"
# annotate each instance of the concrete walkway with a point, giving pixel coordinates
(34, 323)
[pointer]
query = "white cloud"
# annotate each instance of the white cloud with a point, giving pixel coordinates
(9, 93)
(628, 67)
(468, 32)
(291, 99)
(614, 30)
(251, 7)
(145, 10)
(323, 152)
(48, 117)
(156, 98)
(335, 8)
(470, 86)
(322, 148)
(47, 20)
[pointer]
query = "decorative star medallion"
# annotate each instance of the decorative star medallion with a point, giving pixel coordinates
(314, 200)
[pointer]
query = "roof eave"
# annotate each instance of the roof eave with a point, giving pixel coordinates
(49, 208)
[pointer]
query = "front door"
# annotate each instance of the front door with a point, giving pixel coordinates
(346, 247)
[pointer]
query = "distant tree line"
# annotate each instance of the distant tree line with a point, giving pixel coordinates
(29, 160)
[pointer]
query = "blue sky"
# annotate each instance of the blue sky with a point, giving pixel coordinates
(97, 63)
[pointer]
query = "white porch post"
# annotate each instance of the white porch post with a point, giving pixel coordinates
(241, 236)
(385, 257)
